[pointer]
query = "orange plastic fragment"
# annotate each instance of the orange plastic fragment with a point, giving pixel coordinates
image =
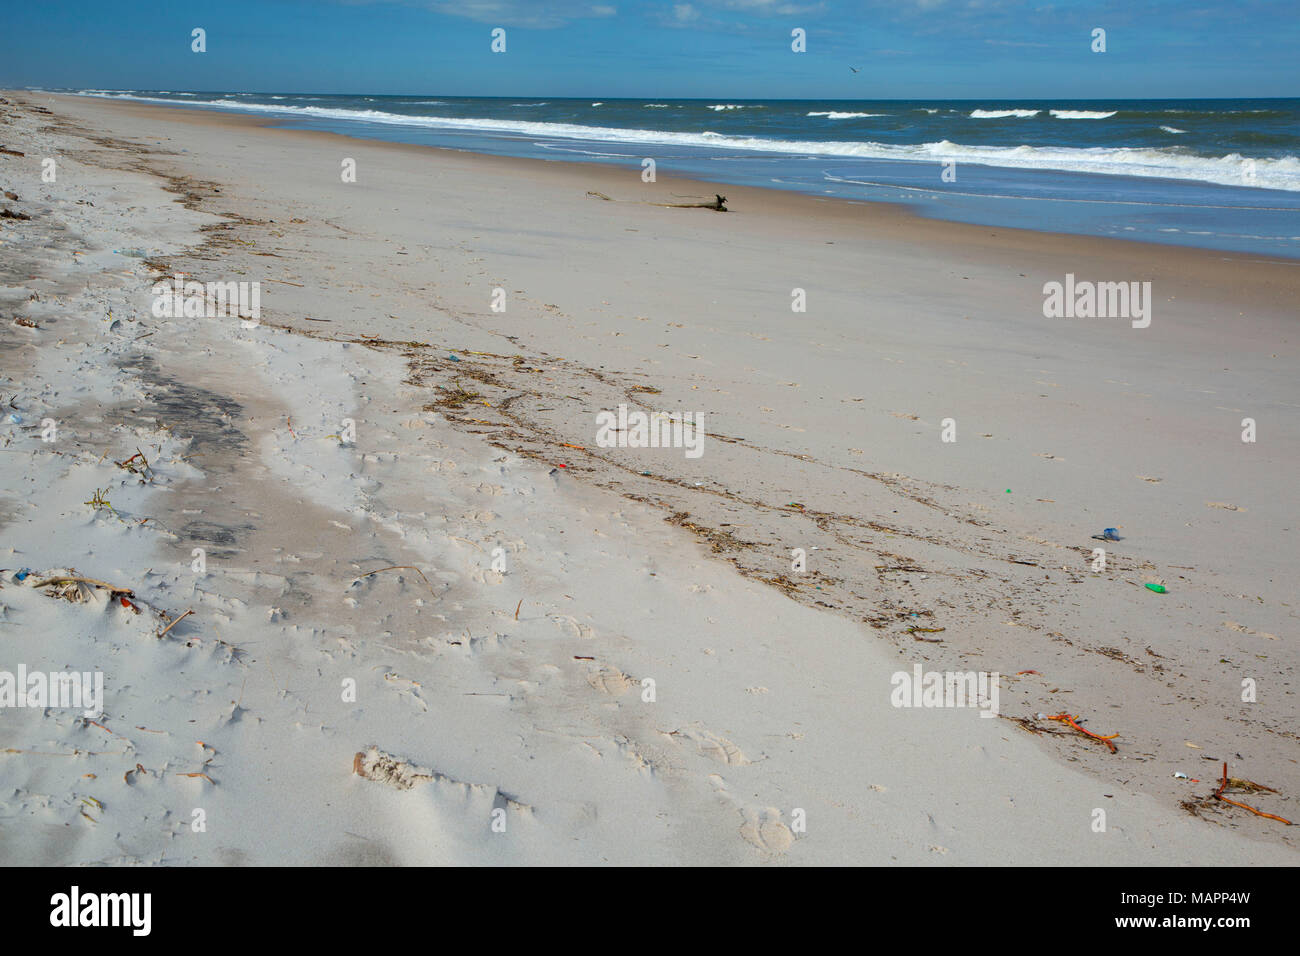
(1066, 718)
(1218, 795)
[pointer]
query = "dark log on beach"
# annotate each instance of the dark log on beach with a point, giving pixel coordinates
(719, 203)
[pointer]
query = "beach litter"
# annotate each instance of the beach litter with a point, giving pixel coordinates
(1157, 588)
(1073, 722)
(1109, 534)
(1249, 786)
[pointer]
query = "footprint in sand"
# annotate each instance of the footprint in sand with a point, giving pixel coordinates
(765, 830)
(633, 755)
(609, 680)
(1242, 628)
(407, 687)
(566, 622)
(712, 746)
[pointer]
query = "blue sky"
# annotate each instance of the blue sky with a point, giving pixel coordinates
(607, 48)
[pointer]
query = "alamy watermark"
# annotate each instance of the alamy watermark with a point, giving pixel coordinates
(1098, 300)
(946, 689)
(638, 429)
(178, 298)
(53, 689)
(130, 910)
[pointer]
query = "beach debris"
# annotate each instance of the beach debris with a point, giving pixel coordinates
(8, 213)
(198, 773)
(1157, 588)
(915, 630)
(374, 764)
(719, 203)
(164, 631)
(1250, 787)
(137, 464)
(399, 567)
(72, 587)
(454, 398)
(517, 607)
(99, 502)
(1073, 722)
(1109, 534)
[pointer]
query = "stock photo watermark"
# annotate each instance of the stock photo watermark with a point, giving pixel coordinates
(638, 429)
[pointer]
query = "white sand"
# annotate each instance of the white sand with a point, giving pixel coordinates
(766, 710)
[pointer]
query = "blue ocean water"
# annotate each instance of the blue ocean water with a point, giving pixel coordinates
(1222, 174)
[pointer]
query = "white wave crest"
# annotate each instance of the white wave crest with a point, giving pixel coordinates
(832, 114)
(1003, 114)
(1082, 114)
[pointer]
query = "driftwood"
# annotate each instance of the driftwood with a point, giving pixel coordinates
(719, 203)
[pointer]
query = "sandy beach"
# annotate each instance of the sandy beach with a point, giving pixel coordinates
(434, 621)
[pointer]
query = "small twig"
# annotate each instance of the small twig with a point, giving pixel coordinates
(164, 631)
(517, 607)
(199, 774)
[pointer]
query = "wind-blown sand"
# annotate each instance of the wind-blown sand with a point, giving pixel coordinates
(771, 688)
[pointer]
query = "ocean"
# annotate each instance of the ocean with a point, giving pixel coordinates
(1221, 174)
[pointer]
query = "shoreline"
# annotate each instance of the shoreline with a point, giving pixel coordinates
(752, 674)
(899, 215)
